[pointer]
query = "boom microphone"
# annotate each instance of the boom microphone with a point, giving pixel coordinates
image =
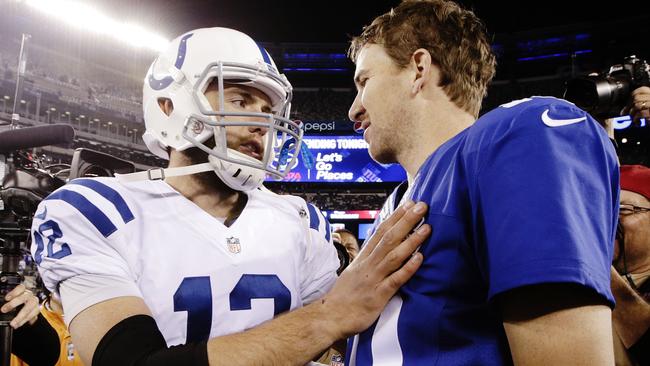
(37, 136)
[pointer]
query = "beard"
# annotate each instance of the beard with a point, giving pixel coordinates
(197, 156)
(393, 138)
(382, 152)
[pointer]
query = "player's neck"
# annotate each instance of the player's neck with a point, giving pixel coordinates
(434, 127)
(207, 191)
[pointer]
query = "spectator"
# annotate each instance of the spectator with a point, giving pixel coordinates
(349, 241)
(631, 277)
(639, 104)
(346, 239)
(34, 340)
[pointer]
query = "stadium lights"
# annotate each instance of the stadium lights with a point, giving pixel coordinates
(82, 16)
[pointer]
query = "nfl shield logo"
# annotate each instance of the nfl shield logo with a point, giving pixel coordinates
(337, 360)
(233, 245)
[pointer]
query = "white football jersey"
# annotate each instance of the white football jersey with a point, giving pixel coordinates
(199, 278)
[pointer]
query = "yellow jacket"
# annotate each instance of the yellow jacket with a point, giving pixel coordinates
(68, 355)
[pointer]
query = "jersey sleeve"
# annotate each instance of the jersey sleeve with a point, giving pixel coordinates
(321, 259)
(546, 200)
(78, 245)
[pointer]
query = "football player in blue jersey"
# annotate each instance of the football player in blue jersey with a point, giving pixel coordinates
(522, 201)
(181, 266)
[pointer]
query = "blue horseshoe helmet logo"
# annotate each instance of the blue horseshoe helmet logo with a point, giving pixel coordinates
(156, 84)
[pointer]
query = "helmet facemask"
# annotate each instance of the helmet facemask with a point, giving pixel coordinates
(281, 142)
(183, 72)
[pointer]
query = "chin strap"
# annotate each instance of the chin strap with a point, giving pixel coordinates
(162, 173)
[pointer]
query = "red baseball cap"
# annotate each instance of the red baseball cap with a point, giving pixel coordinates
(636, 178)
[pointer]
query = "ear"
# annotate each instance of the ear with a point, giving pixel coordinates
(421, 63)
(166, 105)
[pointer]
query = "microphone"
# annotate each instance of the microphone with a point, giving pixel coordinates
(37, 136)
(12, 140)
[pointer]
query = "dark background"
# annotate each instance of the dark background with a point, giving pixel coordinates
(333, 21)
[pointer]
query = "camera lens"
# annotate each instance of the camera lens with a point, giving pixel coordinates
(583, 93)
(598, 94)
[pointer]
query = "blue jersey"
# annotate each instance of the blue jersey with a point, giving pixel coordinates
(527, 195)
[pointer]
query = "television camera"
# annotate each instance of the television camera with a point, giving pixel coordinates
(25, 181)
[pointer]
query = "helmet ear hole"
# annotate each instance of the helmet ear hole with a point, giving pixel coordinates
(166, 105)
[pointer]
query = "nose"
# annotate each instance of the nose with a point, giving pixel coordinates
(357, 112)
(259, 129)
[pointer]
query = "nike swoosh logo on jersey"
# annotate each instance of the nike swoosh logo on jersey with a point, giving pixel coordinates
(550, 122)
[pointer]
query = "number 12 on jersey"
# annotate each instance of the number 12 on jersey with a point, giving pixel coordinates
(194, 295)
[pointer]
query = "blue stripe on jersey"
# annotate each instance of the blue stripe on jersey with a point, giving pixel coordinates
(412, 342)
(392, 201)
(348, 353)
(314, 219)
(364, 346)
(398, 194)
(328, 230)
(110, 194)
(93, 214)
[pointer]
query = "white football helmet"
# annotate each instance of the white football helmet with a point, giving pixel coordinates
(183, 72)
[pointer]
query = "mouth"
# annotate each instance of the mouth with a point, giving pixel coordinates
(360, 127)
(253, 149)
(364, 127)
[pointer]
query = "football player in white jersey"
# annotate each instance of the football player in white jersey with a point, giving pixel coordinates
(175, 266)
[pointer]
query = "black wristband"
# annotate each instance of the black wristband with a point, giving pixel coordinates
(137, 341)
(37, 344)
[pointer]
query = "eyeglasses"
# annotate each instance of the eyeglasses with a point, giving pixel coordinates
(626, 210)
